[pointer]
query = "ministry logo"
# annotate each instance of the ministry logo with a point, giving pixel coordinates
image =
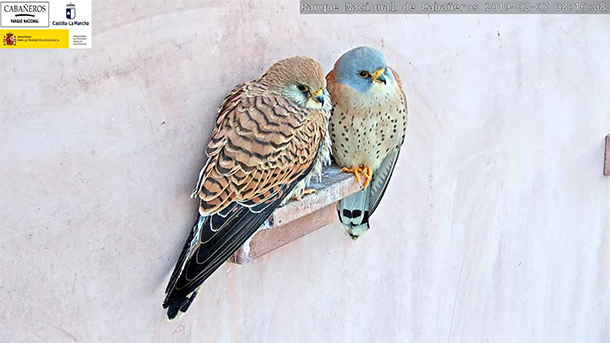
(70, 11)
(9, 39)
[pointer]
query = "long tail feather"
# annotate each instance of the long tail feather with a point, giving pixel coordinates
(354, 213)
(355, 210)
(212, 241)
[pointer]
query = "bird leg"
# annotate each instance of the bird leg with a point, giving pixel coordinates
(309, 191)
(367, 172)
(305, 192)
(355, 170)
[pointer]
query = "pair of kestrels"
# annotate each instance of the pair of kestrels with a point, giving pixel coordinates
(272, 135)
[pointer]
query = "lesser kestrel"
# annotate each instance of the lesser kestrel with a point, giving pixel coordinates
(270, 137)
(367, 126)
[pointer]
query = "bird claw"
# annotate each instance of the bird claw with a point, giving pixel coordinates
(366, 172)
(355, 171)
(368, 176)
(305, 192)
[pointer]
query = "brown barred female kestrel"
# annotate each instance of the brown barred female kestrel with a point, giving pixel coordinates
(367, 126)
(270, 138)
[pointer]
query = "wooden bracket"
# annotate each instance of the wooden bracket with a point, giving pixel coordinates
(607, 157)
(299, 218)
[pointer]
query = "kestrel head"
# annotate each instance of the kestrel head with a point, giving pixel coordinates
(298, 78)
(364, 69)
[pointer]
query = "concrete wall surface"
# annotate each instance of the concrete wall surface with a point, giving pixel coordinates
(495, 227)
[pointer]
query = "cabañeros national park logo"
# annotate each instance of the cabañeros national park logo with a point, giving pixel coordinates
(9, 39)
(24, 14)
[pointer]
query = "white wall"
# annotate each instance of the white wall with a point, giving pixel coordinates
(495, 228)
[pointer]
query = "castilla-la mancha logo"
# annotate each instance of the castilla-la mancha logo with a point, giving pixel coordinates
(70, 11)
(9, 39)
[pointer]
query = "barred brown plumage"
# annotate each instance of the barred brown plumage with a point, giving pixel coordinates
(270, 137)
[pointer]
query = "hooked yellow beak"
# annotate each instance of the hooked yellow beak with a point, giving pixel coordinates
(379, 77)
(318, 96)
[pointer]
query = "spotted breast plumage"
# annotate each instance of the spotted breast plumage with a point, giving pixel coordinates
(368, 127)
(270, 138)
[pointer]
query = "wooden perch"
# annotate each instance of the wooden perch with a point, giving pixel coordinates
(298, 218)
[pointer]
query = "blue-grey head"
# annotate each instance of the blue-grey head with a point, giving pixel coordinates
(363, 68)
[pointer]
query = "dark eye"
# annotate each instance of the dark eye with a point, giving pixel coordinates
(303, 88)
(364, 74)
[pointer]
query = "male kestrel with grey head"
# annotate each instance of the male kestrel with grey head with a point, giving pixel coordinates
(270, 138)
(367, 126)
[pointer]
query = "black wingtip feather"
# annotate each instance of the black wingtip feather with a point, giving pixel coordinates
(217, 246)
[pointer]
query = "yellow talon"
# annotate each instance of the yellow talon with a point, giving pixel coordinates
(309, 191)
(367, 172)
(368, 176)
(355, 171)
(305, 192)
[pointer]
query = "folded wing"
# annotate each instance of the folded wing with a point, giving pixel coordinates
(261, 147)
